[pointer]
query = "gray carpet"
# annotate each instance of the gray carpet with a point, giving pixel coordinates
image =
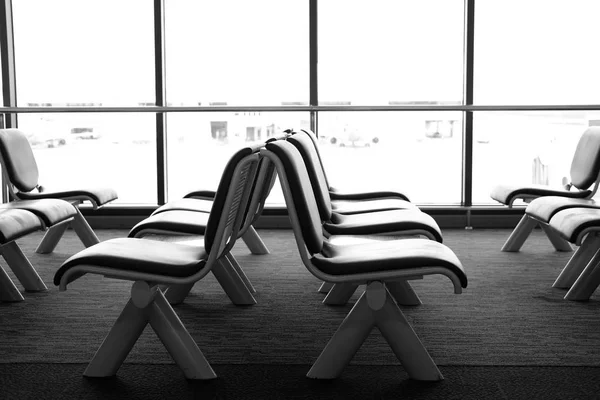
(508, 316)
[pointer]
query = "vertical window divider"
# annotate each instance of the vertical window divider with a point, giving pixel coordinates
(161, 101)
(9, 87)
(314, 64)
(467, 178)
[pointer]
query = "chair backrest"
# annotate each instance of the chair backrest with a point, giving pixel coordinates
(585, 167)
(231, 201)
(18, 160)
(302, 141)
(264, 182)
(313, 138)
(301, 190)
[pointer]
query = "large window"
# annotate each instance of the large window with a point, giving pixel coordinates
(439, 99)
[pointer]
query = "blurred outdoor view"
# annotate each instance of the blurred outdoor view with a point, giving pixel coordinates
(240, 53)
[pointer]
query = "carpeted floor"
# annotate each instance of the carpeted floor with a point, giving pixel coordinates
(508, 322)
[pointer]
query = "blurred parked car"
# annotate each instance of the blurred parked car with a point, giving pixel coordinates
(84, 133)
(45, 139)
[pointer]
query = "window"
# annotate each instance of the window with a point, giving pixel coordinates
(237, 52)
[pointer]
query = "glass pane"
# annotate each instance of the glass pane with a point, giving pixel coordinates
(388, 52)
(84, 53)
(524, 148)
(200, 144)
(237, 52)
(416, 153)
(115, 150)
(536, 52)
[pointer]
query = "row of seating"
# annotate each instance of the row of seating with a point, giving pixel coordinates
(33, 207)
(164, 271)
(567, 215)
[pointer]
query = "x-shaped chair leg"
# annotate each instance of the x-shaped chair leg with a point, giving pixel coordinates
(375, 307)
(254, 242)
(148, 305)
(8, 290)
(519, 234)
(577, 263)
(80, 226)
(22, 268)
(587, 282)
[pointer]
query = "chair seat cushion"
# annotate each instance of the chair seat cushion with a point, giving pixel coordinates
(362, 206)
(391, 255)
(15, 223)
(50, 211)
(572, 222)
(383, 222)
(544, 208)
(97, 195)
(139, 255)
(506, 194)
(186, 204)
(337, 194)
(201, 194)
(175, 221)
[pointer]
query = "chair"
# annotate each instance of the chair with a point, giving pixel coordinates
(15, 224)
(581, 275)
(358, 202)
(178, 219)
(151, 264)
(21, 171)
(378, 221)
(585, 177)
(381, 265)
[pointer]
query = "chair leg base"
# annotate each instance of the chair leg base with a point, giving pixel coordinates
(8, 290)
(325, 287)
(22, 268)
(168, 327)
(587, 282)
(51, 238)
(577, 263)
(385, 314)
(519, 234)
(254, 242)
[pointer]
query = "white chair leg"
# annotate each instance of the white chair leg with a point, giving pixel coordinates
(254, 242)
(557, 241)
(405, 343)
(177, 340)
(51, 238)
(519, 234)
(339, 294)
(84, 230)
(8, 290)
(577, 263)
(587, 282)
(325, 287)
(118, 343)
(22, 268)
(232, 284)
(403, 293)
(345, 342)
(176, 294)
(234, 264)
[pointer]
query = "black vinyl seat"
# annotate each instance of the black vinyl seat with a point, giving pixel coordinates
(21, 171)
(407, 221)
(153, 264)
(382, 265)
(15, 224)
(546, 201)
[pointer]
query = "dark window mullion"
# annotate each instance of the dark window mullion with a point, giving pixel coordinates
(7, 50)
(467, 179)
(161, 117)
(314, 63)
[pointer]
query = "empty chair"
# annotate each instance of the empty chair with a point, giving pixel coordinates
(151, 264)
(584, 180)
(382, 265)
(21, 171)
(14, 224)
(357, 202)
(175, 217)
(367, 217)
(581, 275)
